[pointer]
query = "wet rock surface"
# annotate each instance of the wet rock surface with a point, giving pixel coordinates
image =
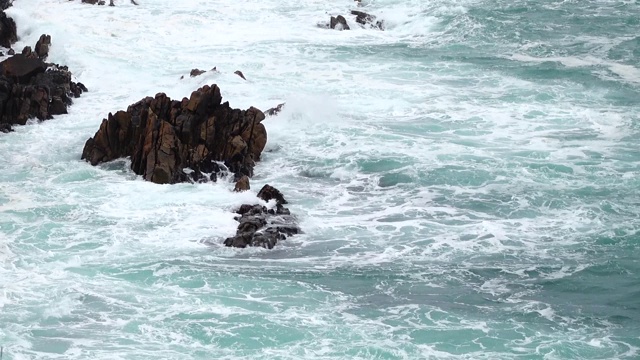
(164, 136)
(31, 88)
(263, 227)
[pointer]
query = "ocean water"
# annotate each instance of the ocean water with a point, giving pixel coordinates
(467, 180)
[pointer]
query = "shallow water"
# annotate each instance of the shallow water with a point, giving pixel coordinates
(466, 180)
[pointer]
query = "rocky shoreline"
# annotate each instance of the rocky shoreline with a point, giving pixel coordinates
(30, 87)
(195, 139)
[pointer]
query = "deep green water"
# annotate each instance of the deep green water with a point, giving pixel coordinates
(467, 181)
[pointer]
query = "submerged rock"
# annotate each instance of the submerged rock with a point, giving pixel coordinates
(163, 137)
(5, 128)
(363, 18)
(275, 110)
(239, 73)
(259, 226)
(196, 72)
(339, 23)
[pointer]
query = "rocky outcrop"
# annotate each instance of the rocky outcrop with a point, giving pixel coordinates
(30, 88)
(268, 192)
(259, 226)
(365, 19)
(163, 137)
(8, 31)
(172, 141)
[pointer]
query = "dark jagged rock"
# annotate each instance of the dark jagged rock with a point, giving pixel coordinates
(41, 49)
(8, 31)
(5, 128)
(29, 88)
(339, 23)
(239, 73)
(275, 110)
(259, 226)
(163, 137)
(21, 68)
(111, 3)
(268, 192)
(42, 46)
(363, 18)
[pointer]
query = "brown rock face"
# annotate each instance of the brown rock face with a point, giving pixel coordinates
(261, 227)
(164, 136)
(242, 184)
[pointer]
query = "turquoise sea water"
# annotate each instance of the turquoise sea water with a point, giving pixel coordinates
(467, 181)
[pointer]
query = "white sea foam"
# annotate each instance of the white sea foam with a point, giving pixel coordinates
(626, 72)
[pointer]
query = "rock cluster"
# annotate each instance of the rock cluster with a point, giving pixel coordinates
(41, 48)
(194, 139)
(163, 137)
(171, 141)
(366, 20)
(31, 88)
(102, 2)
(263, 227)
